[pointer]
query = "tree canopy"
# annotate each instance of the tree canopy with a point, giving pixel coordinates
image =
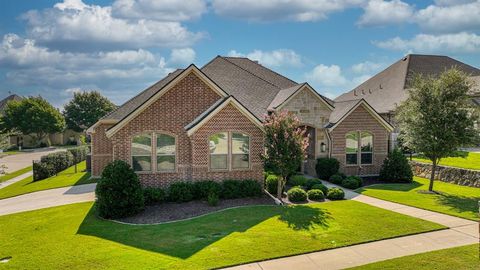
(85, 109)
(33, 116)
(438, 117)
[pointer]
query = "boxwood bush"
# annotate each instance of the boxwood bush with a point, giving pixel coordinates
(336, 179)
(272, 184)
(315, 195)
(297, 180)
(231, 189)
(312, 182)
(326, 167)
(42, 170)
(153, 195)
(202, 189)
(296, 194)
(321, 187)
(350, 183)
(250, 188)
(335, 194)
(119, 193)
(180, 192)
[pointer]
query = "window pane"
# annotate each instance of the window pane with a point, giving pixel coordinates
(351, 142)
(142, 145)
(367, 158)
(351, 159)
(240, 143)
(367, 142)
(165, 163)
(218, 162)
(165, 144)
(142, 163)
(240, 161)
(219, 143)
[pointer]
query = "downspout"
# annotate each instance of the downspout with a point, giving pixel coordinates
(329, 143)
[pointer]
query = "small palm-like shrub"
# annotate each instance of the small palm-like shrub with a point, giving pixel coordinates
(272, 184)
(326, 167)
(180, 192)
(297, 194)
(395, 168)
(321, 187)
(336, 179)
(312, 182)
(153, 195)
(315, 195)
(119, 193)
(297, 180)
(335, 194)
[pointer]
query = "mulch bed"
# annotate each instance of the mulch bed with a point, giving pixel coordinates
(177, 211)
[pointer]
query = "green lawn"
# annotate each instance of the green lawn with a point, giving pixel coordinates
(72, 237)
(464, 258)
(9, 153)
(14, 174)
(65, 178)
(467, 160)
(454, 199)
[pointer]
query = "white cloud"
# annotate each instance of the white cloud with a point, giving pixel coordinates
(162, 10)
(458, 16)
(274, 10)
(275, 58)
(379, 13)
(367, 67)
(81, 26)
(181, 57)
(423, 43)
(329, 76)
(452, 2)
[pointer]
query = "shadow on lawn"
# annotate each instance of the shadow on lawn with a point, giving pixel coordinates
(458, 203)
(185, 238)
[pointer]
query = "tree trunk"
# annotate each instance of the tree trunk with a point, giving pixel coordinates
(432, 176)
(280, 188)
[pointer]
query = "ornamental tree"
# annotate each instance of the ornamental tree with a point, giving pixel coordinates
(85, 109)
(285, 145)
(33, 116)
(439, 116)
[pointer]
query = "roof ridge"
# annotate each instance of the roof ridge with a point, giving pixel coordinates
(273, 71)
(224, 58)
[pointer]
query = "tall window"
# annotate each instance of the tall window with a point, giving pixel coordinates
(366, 147)
(219, 151)
(165, 153)
(356, 141)
(229, 151)
(142, 152)
(351, 148)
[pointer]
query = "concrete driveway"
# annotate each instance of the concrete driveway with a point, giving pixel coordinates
(24, 159)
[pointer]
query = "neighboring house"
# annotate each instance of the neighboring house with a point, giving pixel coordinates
(387, 89)
(198, 124)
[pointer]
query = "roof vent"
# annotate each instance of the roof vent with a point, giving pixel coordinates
(363, 91)
(380, 86)
(369, 90)
(355, 92)
(404, 58)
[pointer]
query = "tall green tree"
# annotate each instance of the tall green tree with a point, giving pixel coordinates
(85, 109)
(33, 116)
(285, 145)
(438, 117)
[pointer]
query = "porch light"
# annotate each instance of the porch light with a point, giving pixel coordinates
(323, 147)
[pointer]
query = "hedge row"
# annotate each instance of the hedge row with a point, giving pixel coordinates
(54, 163)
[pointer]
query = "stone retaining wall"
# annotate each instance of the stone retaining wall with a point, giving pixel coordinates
(453, 175)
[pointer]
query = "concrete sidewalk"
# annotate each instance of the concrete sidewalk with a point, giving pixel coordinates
(462, 232)
(15, 179)
(48, 198)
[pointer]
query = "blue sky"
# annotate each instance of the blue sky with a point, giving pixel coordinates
(119, 47)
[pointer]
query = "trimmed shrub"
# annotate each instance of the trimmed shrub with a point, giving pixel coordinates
(297, 180)
(42, 170)
(202, 189)
(396, 168)
(153, 195)
(335, 194)
(336, 179)
(326, 167)
(296, 194)
(59, 161)
(312, 182)
(250, 188)
(350, 183)
(180, 192)
(79, 153)
(272, 184)
(315, 195)
(212, 199)
(119, 193)
(231, 189)
(321, 187)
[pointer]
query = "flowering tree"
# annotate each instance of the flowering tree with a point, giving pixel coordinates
(285, 144)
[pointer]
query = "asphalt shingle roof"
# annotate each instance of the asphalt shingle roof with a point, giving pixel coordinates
(4, 101)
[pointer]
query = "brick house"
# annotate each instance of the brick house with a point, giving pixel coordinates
(206, 123)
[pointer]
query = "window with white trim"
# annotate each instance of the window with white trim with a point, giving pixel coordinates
(229, 150)
(142, 153)
(166, 149)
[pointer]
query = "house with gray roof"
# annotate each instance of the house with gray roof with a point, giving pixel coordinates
(211, 121)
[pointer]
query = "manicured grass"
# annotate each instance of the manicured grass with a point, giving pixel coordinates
(9, 153)
(14, 174)
(453, 199)
(464, 258)
(72, 237)
(65, 178)
(466, 160)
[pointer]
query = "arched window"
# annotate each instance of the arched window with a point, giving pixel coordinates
(142, 153)
(366, 147)
(166, 149)
(351, 148)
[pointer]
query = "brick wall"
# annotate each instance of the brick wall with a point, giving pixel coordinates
(229, 119)
(101, 149)
(360, 120)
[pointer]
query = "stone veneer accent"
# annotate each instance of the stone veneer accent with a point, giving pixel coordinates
(459, 176)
